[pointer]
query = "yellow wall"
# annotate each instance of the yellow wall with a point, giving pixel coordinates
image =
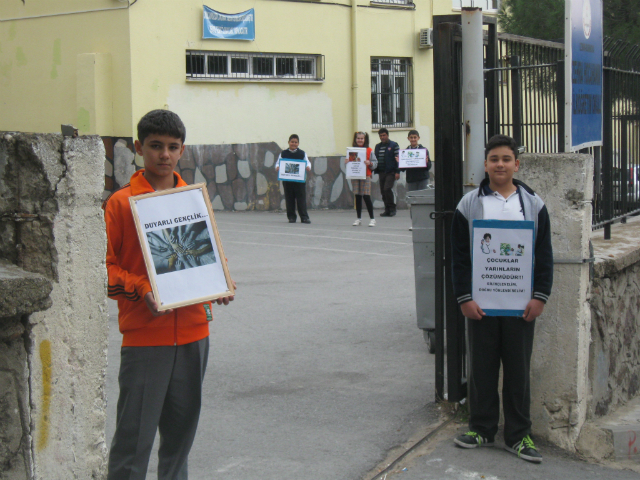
(247, 112)
(138, 55)
(39, 67)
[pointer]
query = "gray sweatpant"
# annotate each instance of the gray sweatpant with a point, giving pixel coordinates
(160, 389)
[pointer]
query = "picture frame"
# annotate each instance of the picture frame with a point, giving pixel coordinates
(412, 158)
(355, 169)
(292, 170)
(181, 246)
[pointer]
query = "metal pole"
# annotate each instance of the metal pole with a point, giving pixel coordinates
(516, 100)
(473, 96)
(354, 65)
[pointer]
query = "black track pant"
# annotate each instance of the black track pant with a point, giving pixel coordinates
(493, 340)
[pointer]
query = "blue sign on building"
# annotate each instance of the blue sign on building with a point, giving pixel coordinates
(235, 26)
(585, 73)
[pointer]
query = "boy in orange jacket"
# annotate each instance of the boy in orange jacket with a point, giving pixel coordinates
(164, 354)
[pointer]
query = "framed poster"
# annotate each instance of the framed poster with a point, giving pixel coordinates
(355, 167)
(412, 158)
(292, 170)
(502, 260)
(181, 246)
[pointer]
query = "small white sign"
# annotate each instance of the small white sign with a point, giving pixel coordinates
(355, 167)
(502, 258)
(413, 158)
(292, 170)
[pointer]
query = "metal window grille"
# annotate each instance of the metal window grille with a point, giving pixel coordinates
(486, 5)
(253, 66)
(394, 2)
(391, 92)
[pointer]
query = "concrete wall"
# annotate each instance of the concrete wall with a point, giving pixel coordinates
(56, 358)
(559, 382)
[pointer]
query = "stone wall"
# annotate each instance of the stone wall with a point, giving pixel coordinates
(52, 362)
(615, 308)
(242, 176)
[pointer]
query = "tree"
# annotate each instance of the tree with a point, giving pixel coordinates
(545, 21)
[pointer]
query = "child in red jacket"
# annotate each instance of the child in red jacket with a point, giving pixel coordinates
(164, 354)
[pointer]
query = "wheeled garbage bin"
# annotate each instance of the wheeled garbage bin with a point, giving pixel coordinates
(424, 261)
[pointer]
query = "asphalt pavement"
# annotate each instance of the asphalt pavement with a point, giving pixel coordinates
(318, 371)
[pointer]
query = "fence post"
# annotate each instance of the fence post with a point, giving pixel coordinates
(516, 99)
(607, 148)
(560, 103)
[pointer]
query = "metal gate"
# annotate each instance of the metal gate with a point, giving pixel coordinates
(451, 369)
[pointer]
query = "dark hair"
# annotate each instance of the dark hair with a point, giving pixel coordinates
(383, 130)
(487, 235)
(161, 122)
(413, 132)
(501, 141)
(293, 135)
(366, 139)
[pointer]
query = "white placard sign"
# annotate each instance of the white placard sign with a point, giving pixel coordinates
(412, 158)
(502, 259)
(181, 246)
(355, 167)
(292, 170)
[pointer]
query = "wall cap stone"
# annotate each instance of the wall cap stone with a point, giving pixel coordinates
(21, 292)
(622, 251)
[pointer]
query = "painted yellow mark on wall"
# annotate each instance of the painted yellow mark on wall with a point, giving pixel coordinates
(45, 420)
(57, 57)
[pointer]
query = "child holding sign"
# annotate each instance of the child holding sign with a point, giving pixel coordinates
(164, 353)
(295, 193)
(362, 188)
(496, 339)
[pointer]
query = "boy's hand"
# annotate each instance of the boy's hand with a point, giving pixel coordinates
(226, 300)
(533, 310)
(308, 169)
(153, 306)
(472, 310)
(397, 176)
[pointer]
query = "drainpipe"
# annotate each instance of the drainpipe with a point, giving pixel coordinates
(354, 65)
(472, 97)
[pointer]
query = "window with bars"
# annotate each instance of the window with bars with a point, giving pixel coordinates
(485, 5)
(394, 2)
(208, 65)
(391, 92)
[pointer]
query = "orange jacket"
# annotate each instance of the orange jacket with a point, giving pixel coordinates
(129, 283)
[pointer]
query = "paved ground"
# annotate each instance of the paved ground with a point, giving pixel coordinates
(318, 371)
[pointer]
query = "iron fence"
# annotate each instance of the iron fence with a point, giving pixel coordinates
(526, 94)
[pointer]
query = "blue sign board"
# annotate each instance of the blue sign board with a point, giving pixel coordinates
(234, 26)
(585, 73)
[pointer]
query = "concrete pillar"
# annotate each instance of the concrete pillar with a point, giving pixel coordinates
(559, 367)
(56, 184)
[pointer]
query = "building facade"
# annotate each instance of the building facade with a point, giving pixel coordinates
(321, 69)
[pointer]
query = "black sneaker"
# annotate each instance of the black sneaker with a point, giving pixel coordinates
(526, 450)
(385, 214)
(472, 440)
(306, 220)
(292, 220)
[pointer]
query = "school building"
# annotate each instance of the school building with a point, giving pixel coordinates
(321, 69)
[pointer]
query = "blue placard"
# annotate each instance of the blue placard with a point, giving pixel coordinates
(292, 170)
(502, 256)
(230, 26)
(586, 73)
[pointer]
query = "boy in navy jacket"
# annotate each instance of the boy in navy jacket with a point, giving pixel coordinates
(495, 340)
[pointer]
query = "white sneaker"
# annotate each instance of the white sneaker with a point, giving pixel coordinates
(411, 229)
(372, 223)
(357, 223)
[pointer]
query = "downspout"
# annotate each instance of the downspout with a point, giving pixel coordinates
(354, 65)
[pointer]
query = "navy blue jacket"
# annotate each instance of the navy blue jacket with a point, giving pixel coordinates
(390, 163)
